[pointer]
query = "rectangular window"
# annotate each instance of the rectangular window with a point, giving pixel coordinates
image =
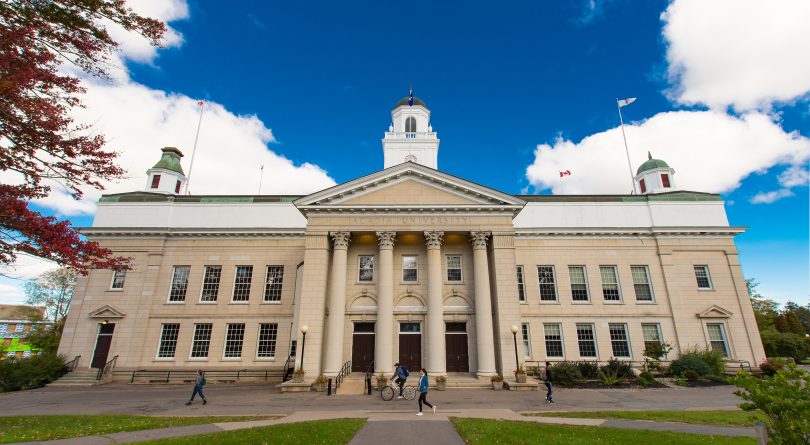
(273, 283)
(619, 340)
(118, 279)
(548, 289)
(586, 340)
(665, 180)
(27, 353)
(610, 283)
(704, 281)
(554, 344)
(293, 345)
(579, 283)
(652, 334)
(366, 268)
(717, 336)
(177, 187)
(241, 283)
(410, 268)
(267, 340)
(453, 267)
(155, 181)
(210, 287)
(641, 283)
(3, 329)
(527, 343)
(179, 283)
(201, 341)
(19, 328)
(521, 286)
(643, 186)
(168, 340)
(233, 340)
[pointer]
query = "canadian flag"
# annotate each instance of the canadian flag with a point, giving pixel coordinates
(565, 173)
(200, 103)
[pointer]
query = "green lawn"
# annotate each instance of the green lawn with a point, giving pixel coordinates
(481, 431)
(323, 432)
(31, 428)
(721, 418)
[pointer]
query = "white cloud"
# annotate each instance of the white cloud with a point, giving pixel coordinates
(795, 176)
(743, 53)
(27, 267)
(11, 294)
(710, 152)
(771, 197)
(591, 10)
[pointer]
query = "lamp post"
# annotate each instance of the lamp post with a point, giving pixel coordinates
(304, 330)
(514, 337)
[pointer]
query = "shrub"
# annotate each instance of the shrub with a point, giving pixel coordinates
(619, 368)
(566, 374)
(654, 352)
(689, 363)
(441, 379)
(690, 375)
(785, 344)
(589, 370)
(645, 378)
(496, 378)
(783, 398)
(715, 359)
(771, 365)
(33, 372)
(608, 378)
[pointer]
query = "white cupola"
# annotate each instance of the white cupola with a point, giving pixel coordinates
(410, 136)
(655, 176)
(167, 175)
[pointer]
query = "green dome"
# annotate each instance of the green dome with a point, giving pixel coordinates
(170, 160)
(651, 164)
(404, 101)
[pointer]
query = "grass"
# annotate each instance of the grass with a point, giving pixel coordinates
(32, 428)
(322, 432)
(720, 418)
(482, 431)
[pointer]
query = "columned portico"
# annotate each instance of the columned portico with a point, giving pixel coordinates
(483, 305)
(435, 305)
(383, 349)
(337, 304)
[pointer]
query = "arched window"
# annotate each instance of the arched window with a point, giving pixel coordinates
(410, 125)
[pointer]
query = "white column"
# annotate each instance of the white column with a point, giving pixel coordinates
(384, 328)
(483, 306)
(435, 305)
(337, 305)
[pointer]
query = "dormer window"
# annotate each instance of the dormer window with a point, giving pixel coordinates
(665, 180)
(410, 125)
(177, 187)
(642, 186)
(155, 181)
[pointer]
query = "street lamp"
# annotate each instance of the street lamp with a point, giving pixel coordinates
(304, 330)
(514, 337)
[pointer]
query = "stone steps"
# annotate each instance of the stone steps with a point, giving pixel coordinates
(83, 377)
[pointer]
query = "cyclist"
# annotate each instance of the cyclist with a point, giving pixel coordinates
(400, 376)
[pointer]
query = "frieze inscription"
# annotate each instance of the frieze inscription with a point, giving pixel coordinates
(410, 220)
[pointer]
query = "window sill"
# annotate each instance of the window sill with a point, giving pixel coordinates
(523, 302)
(265, 359)
(549, 301)
(175, 302)
(115, 290)
(164, 359)
(581, 302)
(232, 359)
(207, 303)
(361, 283)
(276, 303)
(450, 283)
(706, 289)
(617, 303)
(197, 359)
(240, 302)
(646, 302)
(409, 283)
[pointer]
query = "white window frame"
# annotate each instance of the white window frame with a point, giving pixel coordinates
(658, 331)
(115, 273)
(595, 340)
(194, 341)
(160, 341)
(259, 340)
(526, 339)
(402, 276)
(171, 284)
(553, 277)
(649, 283)
(202, 285)
(19, 327)
(587, 286)
(360, 269)
(708, 276)
(521, 277)
(265, 287)
(724, 333)
(562, 340)
(233, 287)
(618, 284)
(447, 268)
(242, 343)
(626, 340)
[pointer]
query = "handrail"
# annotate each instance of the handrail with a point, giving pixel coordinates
(370, 370)
(229, 374)
(71, 365)
(108, 367)
(344, 371)
(744, 364)
(287, 373)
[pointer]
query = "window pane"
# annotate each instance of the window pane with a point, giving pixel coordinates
(521, 288)
(579, 286)
(702, 275)
(233, 341)
(202, 339)
(652, 334)
(267, 340)
(241, 285)
(618, 339)
(366, 268)
(273, 283)
(155, 181)
(610, 283)
(453, 268)
(168, 340)
(118, 279)
(665, 180)
(641, 283)
(527, 347)
(210, 287)
(409, 265)
(548, 289)
(586, 340)
(553, 334)
(179, 283)
(717, 337)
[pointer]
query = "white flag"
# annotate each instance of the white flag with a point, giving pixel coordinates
(625, 102)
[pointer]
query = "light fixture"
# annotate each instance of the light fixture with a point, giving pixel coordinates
(105, 322)
(305, 328)
(514, 329)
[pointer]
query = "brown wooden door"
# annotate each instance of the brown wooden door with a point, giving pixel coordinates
(103, 342)
(410, 352)
(362, 352)
(457, 356)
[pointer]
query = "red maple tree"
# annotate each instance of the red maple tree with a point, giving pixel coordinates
(39, 143)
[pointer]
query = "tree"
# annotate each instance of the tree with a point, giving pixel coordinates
(764, 309)
(801, 312)
(40, 145)
(54, 290)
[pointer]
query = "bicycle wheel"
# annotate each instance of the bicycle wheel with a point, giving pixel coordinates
(387, 393)
(409, 393)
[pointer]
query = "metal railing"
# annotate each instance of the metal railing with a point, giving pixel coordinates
(107, 369)
(743, 364)
(71, 365)
(288, 370)
(536, 365)
(369, 373)
(222, 375)
(344, 371)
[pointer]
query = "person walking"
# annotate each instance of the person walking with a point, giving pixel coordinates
(199, 382)
(549, 383)
(423, 390)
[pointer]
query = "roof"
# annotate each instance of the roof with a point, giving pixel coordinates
(651, 164)
(680, 195)
(17, 312)
(404, 101)
(170, 160)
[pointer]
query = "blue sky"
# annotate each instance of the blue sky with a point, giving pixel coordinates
(501, 79)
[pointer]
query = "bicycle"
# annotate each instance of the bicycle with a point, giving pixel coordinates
(387, 393)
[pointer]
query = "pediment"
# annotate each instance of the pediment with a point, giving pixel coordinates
(106, 311)
(715, 311)
(409, 186)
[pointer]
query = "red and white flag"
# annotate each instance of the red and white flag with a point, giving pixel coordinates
(200, 103)
(625, 102)
(565, 173)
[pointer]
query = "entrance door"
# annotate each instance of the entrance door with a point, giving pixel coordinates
(362, 347)
(410, 346)
(455, 339)
(103, 342)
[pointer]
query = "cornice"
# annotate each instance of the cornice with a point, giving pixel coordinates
(191, 233)
(631, 231)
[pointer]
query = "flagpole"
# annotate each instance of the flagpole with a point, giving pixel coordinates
(626, 150)
(261, 175)
(194, 149)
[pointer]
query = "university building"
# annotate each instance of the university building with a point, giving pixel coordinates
(409, 264)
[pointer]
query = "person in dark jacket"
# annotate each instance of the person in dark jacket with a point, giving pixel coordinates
(199, 381)
(423, 390)
(549, 383)
(399, 377)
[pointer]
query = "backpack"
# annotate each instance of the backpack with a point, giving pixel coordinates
(202, 382)
(405, 371)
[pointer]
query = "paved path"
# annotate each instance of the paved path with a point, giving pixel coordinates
(394, 432)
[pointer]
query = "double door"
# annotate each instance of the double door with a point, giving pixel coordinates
(410, 346)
